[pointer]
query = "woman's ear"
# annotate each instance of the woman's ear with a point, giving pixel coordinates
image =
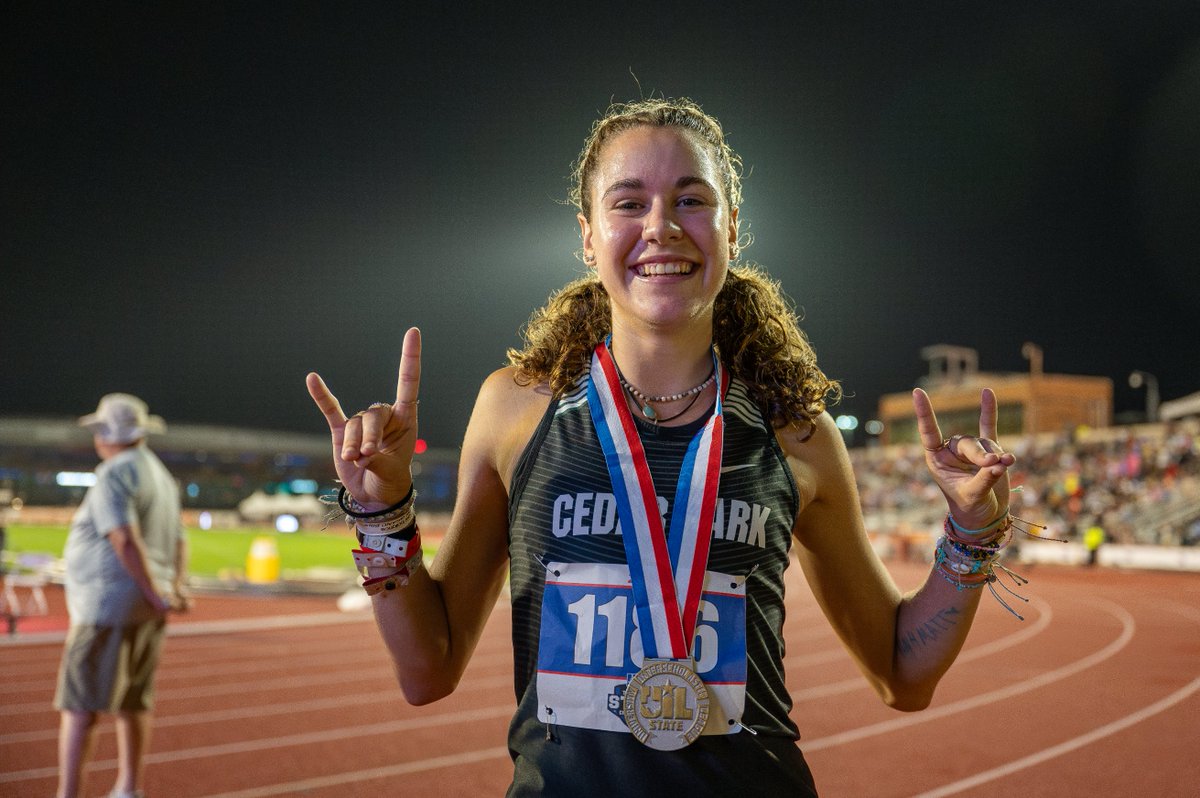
(733, 233)
(585, 235)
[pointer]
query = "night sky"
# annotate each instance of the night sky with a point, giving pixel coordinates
(201, 206)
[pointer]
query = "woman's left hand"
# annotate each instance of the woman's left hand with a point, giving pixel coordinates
(972, 471)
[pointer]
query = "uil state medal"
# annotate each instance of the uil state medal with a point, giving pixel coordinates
(666, 705)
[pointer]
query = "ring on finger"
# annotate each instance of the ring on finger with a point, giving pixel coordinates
(944, 444)
(413, 402)
(952, 444)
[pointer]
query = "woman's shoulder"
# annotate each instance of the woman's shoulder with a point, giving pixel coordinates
(815, 451)
(508, 411)
(808, 439)
(508, 387)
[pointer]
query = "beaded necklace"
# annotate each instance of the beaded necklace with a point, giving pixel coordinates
(645, 401)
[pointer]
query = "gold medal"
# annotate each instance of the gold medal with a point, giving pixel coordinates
(666, 705)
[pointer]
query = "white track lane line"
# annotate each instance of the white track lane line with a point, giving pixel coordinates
(244, 712)
(273, 743)
(191, 628)
(1066, 747)
(975, 652)
(384, 672)
(983, 699)
(339, 779)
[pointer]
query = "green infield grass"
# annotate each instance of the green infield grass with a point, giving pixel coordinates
(215, 553)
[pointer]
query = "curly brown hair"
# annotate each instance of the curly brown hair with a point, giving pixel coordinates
(755, 327)
(755, 330)
(668, 112)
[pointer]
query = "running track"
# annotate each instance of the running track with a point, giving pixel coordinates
(1097, 693)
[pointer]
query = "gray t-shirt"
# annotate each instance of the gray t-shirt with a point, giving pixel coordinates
(133, 488)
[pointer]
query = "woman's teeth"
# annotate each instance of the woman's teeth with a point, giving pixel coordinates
(649, 269)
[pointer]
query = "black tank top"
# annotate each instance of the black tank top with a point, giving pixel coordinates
(561, 510)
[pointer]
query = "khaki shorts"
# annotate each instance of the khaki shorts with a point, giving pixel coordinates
(110, 668)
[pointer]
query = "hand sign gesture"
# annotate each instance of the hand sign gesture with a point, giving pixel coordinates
(971, 471)
(373, 449)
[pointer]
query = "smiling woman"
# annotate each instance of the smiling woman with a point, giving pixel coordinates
(641, 472)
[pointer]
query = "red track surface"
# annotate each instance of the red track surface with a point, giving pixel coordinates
(1097, 693)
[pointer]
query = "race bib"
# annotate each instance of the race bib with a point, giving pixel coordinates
(591, 645)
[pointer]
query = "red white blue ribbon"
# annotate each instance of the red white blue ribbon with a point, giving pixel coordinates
(667, 575)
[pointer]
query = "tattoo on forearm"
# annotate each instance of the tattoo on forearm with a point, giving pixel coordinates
(928, 632)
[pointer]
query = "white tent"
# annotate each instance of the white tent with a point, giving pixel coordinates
(259, 506)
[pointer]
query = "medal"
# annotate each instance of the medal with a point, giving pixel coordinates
(665, 703)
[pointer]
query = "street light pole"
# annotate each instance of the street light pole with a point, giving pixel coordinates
(1033, 353)
(1139, 378)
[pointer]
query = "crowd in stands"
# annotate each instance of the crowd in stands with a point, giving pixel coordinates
(1140, 484)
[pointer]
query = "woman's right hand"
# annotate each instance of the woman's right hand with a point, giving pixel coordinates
(373, 449)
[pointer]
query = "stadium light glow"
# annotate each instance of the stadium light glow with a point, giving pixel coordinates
(287, 523)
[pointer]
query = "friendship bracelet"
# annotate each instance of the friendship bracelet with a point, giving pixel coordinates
(953, 561)
(974, 532)
(967, 571)
(961, 584)
(975, 552)
(363, 513)
(992, 544)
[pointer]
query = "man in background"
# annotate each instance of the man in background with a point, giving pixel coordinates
(125, 568)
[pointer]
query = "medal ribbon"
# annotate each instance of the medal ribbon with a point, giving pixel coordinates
(667, 576)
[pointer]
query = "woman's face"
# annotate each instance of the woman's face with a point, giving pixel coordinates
(660, 229)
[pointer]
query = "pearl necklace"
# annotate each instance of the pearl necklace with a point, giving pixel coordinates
(645, 401)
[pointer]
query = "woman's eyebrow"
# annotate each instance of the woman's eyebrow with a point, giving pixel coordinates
(633, 183)
(623, 185)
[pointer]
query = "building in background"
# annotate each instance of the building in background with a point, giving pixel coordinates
(1027, 403)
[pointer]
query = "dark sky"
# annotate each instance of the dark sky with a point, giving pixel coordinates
(201, 206)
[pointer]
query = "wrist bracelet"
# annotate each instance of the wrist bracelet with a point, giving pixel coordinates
(1000, 520)
(387, 525)
(995, 543)
(372, 539)
(969, 565)
(400, 578)
(363, 513)
(394, 548)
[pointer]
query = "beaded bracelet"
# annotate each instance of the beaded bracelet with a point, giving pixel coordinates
(955, 563)
(969, 564)
(996, 543)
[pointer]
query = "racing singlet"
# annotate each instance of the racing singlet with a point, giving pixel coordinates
(575, 634)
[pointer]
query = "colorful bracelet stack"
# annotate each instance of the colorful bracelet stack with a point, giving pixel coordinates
(969, 558)
(387, 539)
